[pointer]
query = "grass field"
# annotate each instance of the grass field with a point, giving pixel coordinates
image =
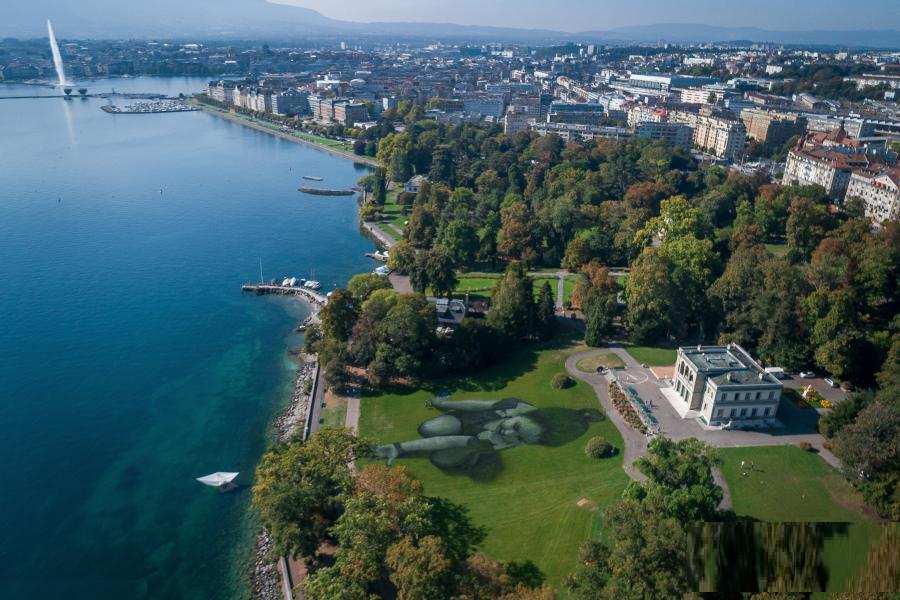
(393, 213)
(526, 497)
(607, 360)
(654, 357)
(789, 484)
(777, 249)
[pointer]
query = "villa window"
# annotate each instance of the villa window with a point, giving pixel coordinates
(733, 411)
(753, 412)
(743, 412)
(766, 413)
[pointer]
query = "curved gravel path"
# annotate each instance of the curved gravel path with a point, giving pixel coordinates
(635, 443)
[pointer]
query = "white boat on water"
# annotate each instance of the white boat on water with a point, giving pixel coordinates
(312, 284)
(221, 481)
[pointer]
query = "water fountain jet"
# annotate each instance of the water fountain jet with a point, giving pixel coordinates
(57, 57)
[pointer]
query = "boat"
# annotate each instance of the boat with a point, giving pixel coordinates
(313, 178)
(221, 481)
(312, 284)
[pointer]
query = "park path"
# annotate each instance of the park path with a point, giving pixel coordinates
(635, 443)
(379, 234)
(560, 290)
(726, 503)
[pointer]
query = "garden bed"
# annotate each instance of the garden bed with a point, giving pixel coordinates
(625, 408)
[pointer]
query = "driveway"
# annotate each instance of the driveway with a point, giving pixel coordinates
(635, 443)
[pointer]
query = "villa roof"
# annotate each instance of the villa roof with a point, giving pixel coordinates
(727, 365)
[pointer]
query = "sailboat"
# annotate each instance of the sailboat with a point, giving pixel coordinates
(221, 481)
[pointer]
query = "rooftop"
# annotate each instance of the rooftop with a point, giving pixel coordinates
(727, 365)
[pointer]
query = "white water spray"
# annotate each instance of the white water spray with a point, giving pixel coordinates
(57, 57)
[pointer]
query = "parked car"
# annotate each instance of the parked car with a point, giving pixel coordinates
(830, 382)
(807, 374)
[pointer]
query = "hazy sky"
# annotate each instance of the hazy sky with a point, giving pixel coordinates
(583, 15)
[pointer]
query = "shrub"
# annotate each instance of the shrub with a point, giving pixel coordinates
(562, 381)
(805, 446)
(598, 447)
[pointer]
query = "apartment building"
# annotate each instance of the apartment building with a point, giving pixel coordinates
(717, 135)
(773, 128)
(822, 166)
(879, 189)
(671, 134)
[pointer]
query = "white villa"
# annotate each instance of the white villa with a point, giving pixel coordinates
(722, 384)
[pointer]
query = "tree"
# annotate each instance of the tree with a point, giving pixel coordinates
(391, 531)
(649, 557)
(299, 486)
(512, 304)
(679, 476)
(515, 240)
(545, 313)
(422, 227)
(379, 188)
(339, 315)
(402, 257)
(420, 571)
(363, 284)
(439, 270)
(461, 242)
(677, 218)
(806, 227)
(870, 451)
(599, 311)
(737, 294)
(649, 296)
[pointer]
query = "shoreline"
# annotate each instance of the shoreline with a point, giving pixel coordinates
(286, 135)
(265, 576)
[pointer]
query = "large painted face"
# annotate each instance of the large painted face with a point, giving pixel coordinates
(523, 429)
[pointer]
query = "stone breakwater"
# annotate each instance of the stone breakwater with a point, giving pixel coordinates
(265, 579)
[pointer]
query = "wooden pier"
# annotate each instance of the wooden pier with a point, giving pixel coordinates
(313, 296)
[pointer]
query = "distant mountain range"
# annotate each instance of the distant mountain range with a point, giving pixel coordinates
(260, 20)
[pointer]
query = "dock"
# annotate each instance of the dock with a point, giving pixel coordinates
(317, 298)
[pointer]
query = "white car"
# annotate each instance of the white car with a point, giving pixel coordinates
(807, 374)
(830, 382)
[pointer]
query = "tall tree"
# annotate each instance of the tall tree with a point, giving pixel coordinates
(299, 485)
(545, 312)
(512, 304)
(650, 296)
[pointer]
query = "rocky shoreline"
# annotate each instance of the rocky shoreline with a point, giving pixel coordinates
(265, 579)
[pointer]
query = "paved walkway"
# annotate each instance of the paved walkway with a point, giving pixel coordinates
(379, 234)
(560, 290)
(401, 283)
(635, 443)
(725, 504)
(351, 421)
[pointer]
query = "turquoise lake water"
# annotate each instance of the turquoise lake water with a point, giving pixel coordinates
(131, 363)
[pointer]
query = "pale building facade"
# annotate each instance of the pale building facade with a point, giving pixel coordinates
(723, 384)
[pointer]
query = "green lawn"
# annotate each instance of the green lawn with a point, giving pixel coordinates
(569, 287)
(654, 357)
(789, 484)
(777, 249)
(526, 497)
(607, 360)
(393, 212)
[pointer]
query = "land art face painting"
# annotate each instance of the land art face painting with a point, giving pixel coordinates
(470, 429)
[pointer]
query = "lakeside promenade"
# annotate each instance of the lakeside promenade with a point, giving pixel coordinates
(285, 135)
